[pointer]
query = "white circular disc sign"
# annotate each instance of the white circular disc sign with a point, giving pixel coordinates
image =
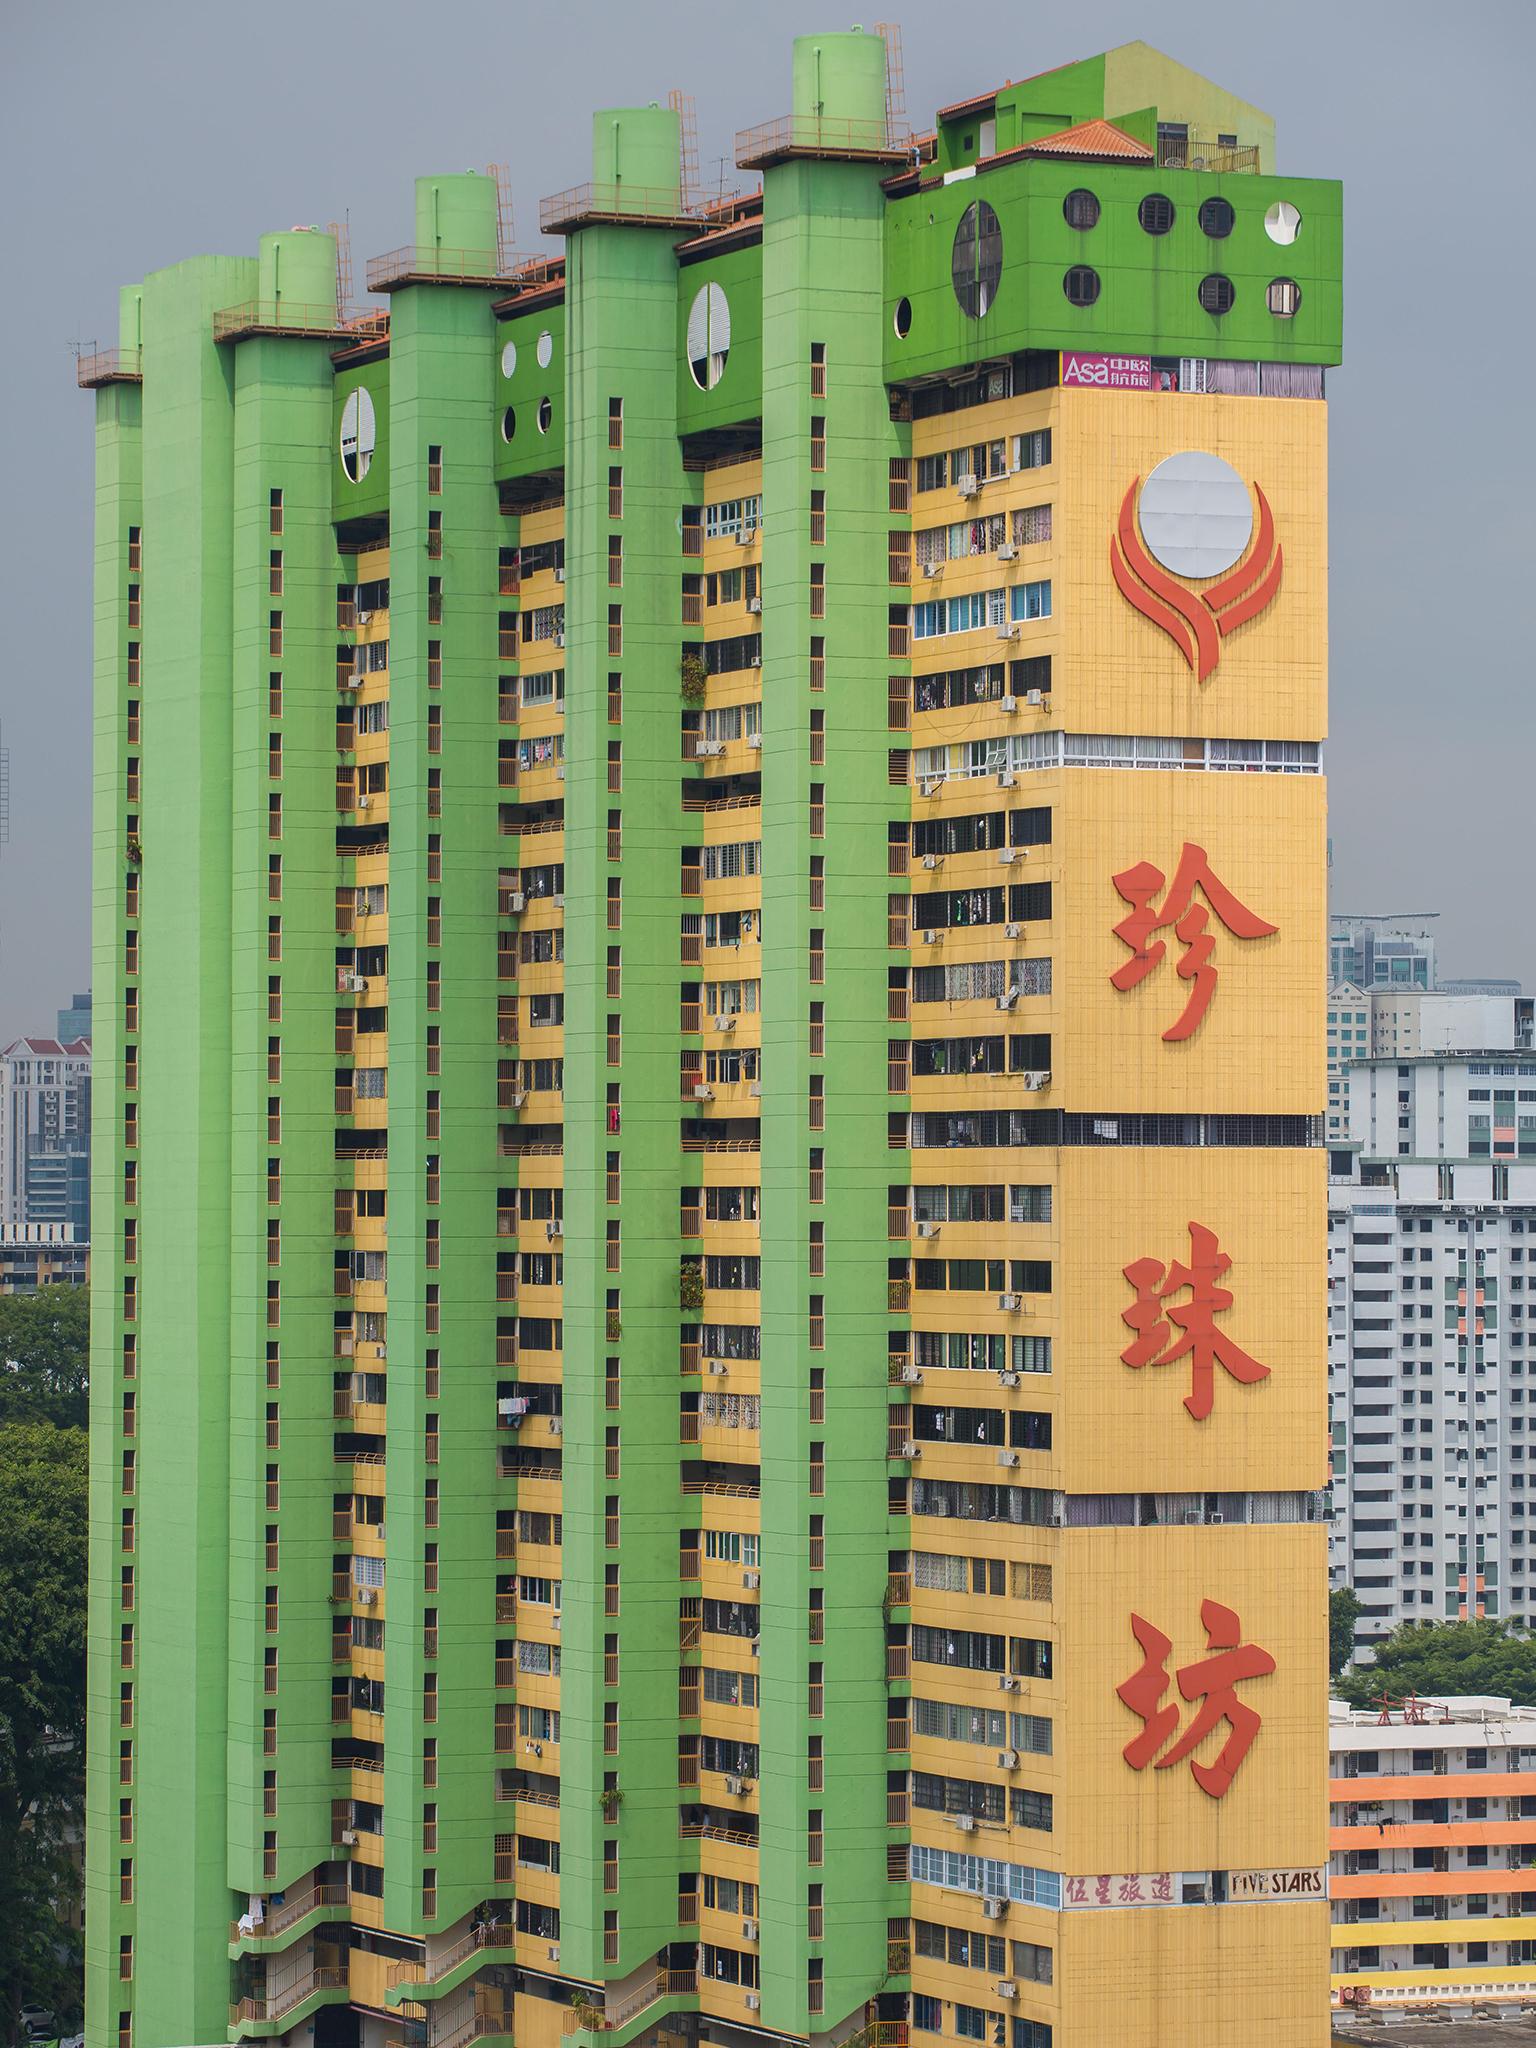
(1196, 516)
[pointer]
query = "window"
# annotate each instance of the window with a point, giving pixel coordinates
(1081, 285)
(976, 260)
(1080, 209)
(1216, 293)
(1156, 213)
(1217, 217)
(1283, 297)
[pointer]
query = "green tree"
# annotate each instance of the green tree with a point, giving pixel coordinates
(44, 1356)
(1343, 1611)
(1442, 1658)
(42, 1712)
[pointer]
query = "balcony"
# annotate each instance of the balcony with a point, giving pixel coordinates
(613, 200)
(1197, 153)
(597, 2019)
(290, 1913)
(286, 317)
(432, 1969)
(328, 1978)
(814, 135)
(435, 265)
(109, 366)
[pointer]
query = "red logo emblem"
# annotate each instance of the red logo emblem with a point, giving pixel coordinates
(1195, 517)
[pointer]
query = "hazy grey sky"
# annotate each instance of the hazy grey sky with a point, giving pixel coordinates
(133, 136)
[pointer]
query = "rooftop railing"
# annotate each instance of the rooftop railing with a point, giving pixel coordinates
(616, 199)
(109, 366)
(818, 135)
(1196, 153)
(286, 317)
(416, 264)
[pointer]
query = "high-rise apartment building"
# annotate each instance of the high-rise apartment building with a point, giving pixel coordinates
(1431, 1246)
(1383, 951)
(1433, 1835)
(708, 1413)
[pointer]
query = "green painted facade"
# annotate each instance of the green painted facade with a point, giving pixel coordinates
(491, 399)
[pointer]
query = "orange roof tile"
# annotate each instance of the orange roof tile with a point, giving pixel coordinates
(1090, 139)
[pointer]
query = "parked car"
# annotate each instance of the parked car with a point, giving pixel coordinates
(37, 2023)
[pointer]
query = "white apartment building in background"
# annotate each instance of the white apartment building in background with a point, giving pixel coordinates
(1432, 1338)
(1401, 1023)
(45, 1095)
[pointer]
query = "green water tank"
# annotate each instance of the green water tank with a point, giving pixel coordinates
(297, 268)
(840, 77)
(458, 213)
(635, 152)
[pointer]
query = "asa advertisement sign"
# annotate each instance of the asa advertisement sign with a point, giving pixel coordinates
(1106, 373)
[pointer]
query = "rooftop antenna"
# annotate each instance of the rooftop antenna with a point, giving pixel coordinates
(895, 82)
(681, 104)
(342, 230)
(506, 237)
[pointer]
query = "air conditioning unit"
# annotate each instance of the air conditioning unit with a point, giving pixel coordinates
(756, 1646)
(911, 1375)
(353, 681)
(518, 1097)
(349, 1838)
(1010, 705)
(1008, 1685)
(1013, 931)
(1005, 778)
(752, 2002)
(1212, 1520)
(367, 1596)
(754, 1087)
(724, 1023)
(1010, 1304)
(994, 1909)
(1007, 1759)
(1007, 855)
(553, 1229)
(932, 784)
(559, 899)
(911, 1448)
(745, 535)
(754, 740)
(933, 938)
(1035, 699)
(754, 604)
(560, 575)
(706, 750)
(751, 1580)
(965, 1822)
(553, 1952)
(365, 618)
(559, 639)
(354, 983)
(364, 801)
(1007, 552)
(719, 1367)
(515, 902)
(931, 568)
(1005, 1989)
(933, 860)
(1007, 1457)
(1008, 1379)
(754, 661)
(929, 1229)
(749, 1930)
(1038, 1077)
(1192, 1520)
(1008, 632)
(968, 486)
(735, 1786)
(557, 1428)
(702, 1092)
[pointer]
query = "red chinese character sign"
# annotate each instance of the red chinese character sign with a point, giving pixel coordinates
(1195, 518)
(1168, 1329)
(1181, 912)
(1213, 1681)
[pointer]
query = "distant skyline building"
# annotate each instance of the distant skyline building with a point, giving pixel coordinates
(45, 1118)
(75, 1019)
(1432, 1248)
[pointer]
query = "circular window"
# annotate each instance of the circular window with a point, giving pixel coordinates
(1195, 514)
(709, 337)
(359, 434)
(545, 414)
(976, 261)
(903, 320)
(1156, 213)
(1080, 209)
(509, 359)
(1283, 297)
(1217, 293)
(508, 423)
(1282, 223)
(1081, 285)
(1217, 218)
(544, 349)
